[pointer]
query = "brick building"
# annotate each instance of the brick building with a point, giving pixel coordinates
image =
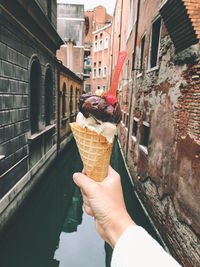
(71, 27)
(160, 130)
(70, 89)
(97, 49)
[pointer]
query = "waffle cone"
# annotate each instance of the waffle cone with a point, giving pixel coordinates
(95, 151)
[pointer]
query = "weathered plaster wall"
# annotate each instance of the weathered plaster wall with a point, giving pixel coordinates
(166, 172)
(169, 174)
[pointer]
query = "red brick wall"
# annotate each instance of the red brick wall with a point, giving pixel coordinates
(167, 98)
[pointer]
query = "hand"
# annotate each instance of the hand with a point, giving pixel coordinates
(105, 202)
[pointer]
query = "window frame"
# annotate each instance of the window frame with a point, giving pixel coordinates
(95, 46)
(143, 145)
(142, 46)
(94, 73)
(106, 43)
(101, 45)
(104, 71)
(151, 68)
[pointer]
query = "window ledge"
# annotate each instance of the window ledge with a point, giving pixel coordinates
(139, 75)
(64, 119)
(152, 69)
(144, 149)
(2, 157)
(39, 134)
(134, 139)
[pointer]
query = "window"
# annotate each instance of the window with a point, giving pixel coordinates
(99, 72)
(48, 96)
(130, 18)
(64, 101)
(155, 40)
(88, 61)
(126, 70)
(35, 89)
(106, 43)
(123, 117)
(127, 120)
(133, 61)
(87, 88)
(100, 45)
(94, 73)
(95, 46)
(76, 100)
(71, 104)
(98, 87)
(145, 134)
(142, 52)
(104, 71)
(104, 88)
(49, 9)
(96, 37)
(135, 127)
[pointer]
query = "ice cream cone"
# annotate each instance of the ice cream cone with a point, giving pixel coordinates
(95, 151)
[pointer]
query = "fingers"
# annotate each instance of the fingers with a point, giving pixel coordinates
(82, 180)
(84, 172)
(88, 210)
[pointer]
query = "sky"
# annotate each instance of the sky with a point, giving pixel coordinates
(90, 4)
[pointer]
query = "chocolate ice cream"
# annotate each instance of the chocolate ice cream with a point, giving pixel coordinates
(99, 108)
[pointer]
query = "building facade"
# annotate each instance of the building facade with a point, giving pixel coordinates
(70, 89)
(97, 50)
(71, 27)
(160, 130)
(30, 82)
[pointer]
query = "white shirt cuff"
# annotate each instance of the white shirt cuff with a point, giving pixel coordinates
(136, 248)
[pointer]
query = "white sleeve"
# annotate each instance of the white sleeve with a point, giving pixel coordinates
(136, 248)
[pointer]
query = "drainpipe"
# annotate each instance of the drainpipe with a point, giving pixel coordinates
(120, 25)
(132, 87)
(58, 104)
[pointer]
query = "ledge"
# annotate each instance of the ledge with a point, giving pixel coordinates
(144, 149)
(2, 157)
(134, 139)
(152, 69)
(39, 134)
(65, 119)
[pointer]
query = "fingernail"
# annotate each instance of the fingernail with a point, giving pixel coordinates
(75, 175)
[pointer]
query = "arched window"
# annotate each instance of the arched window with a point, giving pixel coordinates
(48, 96)
(76, 99)
(71, 104)
(64, 101)
(35, 89)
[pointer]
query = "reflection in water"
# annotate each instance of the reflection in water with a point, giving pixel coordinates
(132, 204)
(86, 247)
(55, 205)
(74, 217)
(43, 232)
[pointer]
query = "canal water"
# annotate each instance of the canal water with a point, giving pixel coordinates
(51, 228)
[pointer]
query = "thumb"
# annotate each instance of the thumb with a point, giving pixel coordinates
(82, 180)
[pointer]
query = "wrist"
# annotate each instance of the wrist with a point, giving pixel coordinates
(117, 227)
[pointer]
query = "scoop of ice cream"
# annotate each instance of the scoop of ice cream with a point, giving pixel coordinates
(97, 106)
(106, 129)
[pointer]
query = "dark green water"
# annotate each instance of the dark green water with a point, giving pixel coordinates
(50, 229)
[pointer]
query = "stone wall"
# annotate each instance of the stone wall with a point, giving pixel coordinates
(24, 152)
(160, 129)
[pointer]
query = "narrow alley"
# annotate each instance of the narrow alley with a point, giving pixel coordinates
(53, 51)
